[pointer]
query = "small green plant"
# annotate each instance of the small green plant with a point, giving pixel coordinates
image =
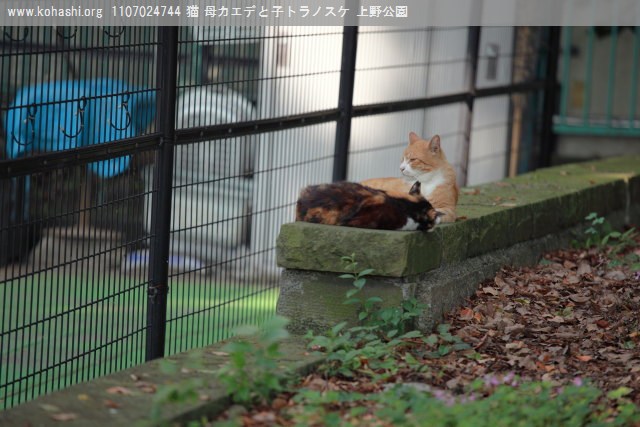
(367, 349)
(179, 392)
(595, 230)
(600, 233)
(546, 405)
(386, 321)
(381, 344)
(443, 343)
(252, 374)
(484, 404)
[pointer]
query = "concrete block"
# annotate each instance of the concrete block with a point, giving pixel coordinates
(315, 300)
(508, 222)
(305, 246)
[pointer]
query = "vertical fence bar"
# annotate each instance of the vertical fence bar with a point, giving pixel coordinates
(612, 71)
(566, 64)
(158, 289)
(634, 77)
(586, 107)
(473, 49)
(516, 100)
(547, 141)
(345, 102)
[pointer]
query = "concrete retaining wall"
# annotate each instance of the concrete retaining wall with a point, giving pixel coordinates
(508, 222)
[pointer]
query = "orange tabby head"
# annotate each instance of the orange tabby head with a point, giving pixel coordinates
(422, 157)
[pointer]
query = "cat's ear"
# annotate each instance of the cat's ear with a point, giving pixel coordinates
(415, 189)
(434, 144)
(413, 138)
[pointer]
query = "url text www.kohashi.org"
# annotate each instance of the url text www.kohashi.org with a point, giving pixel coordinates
(54, 12)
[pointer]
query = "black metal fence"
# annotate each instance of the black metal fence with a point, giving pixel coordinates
(144, 172)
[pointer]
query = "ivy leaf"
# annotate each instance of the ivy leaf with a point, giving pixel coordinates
(619, 393)
(366, 272)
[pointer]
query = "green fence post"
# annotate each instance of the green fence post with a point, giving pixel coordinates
(566, 63)
(634, 77)
(612, 69)
(586, 107)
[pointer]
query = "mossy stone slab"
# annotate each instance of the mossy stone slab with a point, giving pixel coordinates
(492, 216)
(305, 246)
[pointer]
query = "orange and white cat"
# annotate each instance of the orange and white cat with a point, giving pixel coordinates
(424, 161)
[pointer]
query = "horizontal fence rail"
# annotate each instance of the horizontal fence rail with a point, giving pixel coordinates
(186, 136)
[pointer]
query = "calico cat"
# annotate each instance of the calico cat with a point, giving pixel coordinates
(425, 161)
(354, 205)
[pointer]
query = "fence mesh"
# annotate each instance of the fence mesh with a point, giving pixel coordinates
(257, 113)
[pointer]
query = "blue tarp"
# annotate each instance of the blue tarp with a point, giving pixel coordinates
(67, 114)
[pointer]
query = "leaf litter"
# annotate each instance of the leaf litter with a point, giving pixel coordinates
(572, 318)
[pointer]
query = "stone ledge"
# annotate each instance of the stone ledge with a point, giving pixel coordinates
(316, 247)
(497, 216)
(87, 400)
(512, 221)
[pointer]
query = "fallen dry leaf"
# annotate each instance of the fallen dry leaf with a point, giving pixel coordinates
(466, 314)
(279, 403)
(615, 275)
(64, 416)
(264, 417)
(490, 290)
(119, 390)
(499, 281)
(111, 404)
(580, 299)
(146, 387)
(583, 268)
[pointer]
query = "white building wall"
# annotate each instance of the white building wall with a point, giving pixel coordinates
(488, 152)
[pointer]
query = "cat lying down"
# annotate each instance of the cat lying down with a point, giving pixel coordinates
(354, 205)
(426, 162)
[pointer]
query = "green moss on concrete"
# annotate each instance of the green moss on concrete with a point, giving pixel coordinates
(317, 247)
(633, 197)
(626, 164)
(495, 215)
(546, 218)
(456, 237)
